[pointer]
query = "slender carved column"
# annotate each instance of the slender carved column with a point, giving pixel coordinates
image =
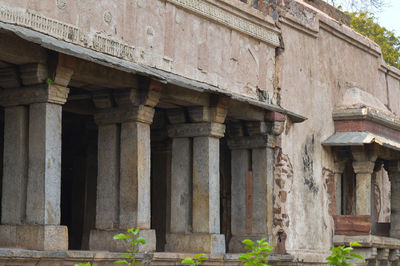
(33, 176)
(252, 184)
(363, 166)
(195, 207)
(393, 169)
(123, 186)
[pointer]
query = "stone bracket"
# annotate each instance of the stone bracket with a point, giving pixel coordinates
(44, 93)
(196, 130)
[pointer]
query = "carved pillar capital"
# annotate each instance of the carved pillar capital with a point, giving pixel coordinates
(44, 93)
(251, 142)
(141, 113)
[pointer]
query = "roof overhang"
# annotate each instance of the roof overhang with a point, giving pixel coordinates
(84, 53)
(340, 139)
(365, 125)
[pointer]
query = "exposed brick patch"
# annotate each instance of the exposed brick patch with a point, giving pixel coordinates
(364, 125)
(330, 187)
(283, 174)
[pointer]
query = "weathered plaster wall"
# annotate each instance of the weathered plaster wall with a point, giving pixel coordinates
(174, 39)
(315, 69)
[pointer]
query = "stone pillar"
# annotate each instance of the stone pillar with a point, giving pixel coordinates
(338, 172)
(123, 186)
(202, 183)
(31, 215)
(393, 169)
(363, 166)
(15, 172)
(195, 195)
(252, 185)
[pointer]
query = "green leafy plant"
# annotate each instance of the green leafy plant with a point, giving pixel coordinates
(83, 264)
(341, 255)
(196, 260)
(257, 254)
(51, 82)
(134, 240)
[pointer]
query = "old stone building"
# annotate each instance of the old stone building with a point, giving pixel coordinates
(201, 122)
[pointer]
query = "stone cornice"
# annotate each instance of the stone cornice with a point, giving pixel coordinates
(188, 130)
(43, 93)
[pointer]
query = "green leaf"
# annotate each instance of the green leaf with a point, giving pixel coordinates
(121, 262)
(127, 255)
(187, 261)
(49, 81)
(122, 236)
(355, 244)
(140, 240)
(136, 231)
(358, 256)
(248, 242)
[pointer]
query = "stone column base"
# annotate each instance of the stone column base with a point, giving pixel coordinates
(196, 243)
(34, 237)
(236, 245)
(104, 240)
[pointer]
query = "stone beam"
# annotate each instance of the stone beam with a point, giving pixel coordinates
(184, 97)
(101, 76)
(18, 51)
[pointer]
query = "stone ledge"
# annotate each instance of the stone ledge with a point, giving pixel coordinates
(102, 258)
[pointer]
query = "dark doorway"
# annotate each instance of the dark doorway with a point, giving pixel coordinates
(78, 178)
(1, 152)
(160, 177)
(225, 190)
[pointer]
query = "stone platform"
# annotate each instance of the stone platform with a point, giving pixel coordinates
(103, 258)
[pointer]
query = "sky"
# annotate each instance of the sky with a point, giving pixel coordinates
(390, 16)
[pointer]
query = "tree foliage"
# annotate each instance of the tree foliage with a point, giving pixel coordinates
(365, 23)
(358, 5)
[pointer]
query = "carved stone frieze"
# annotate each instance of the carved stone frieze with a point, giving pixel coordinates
(34, 94)
(141, 113)
(187, 130)
(108, 45)
(212, 12)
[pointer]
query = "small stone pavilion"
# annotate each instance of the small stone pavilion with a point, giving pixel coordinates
(201, 122)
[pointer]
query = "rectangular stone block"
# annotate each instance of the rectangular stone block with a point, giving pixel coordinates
(196, 243)
(236, 245)
(15, 171)
(103, 240)
(34, 237)
(44, 174)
